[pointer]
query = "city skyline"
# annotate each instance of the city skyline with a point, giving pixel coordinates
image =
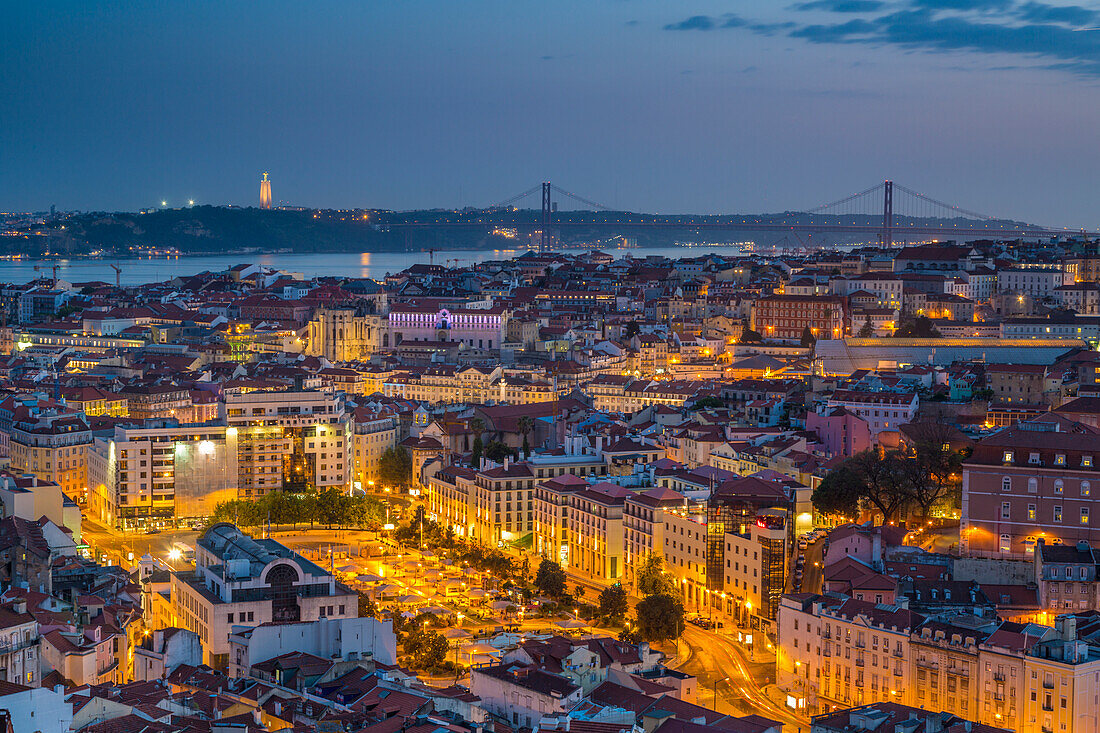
(704, 107)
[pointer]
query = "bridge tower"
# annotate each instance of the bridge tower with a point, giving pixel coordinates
(544, 237)
(888, 214)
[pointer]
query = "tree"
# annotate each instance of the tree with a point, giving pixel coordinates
(497, 451)
(917, 327)
(630, 330)
(367, 607)
(889, 482)
(651, 578)
(613, 603)
(660, 617)
(525, 424)
(704, 403)
(550, 579)
(808, 338)
(433, 650)
(395, 467)
(476, 454)
(477, 425)
(867, 330)
(749, 336)
(840, 492)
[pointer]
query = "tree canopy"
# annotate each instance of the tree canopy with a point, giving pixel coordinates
(550, 578)
(660, 617)
(395, 467)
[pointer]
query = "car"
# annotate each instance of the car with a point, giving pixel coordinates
(152, 530)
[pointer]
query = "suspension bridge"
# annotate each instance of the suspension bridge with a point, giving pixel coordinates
(888, 211)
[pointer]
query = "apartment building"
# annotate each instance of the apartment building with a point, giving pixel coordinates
(1037, 282)
(241, 581)
(684, 531)
(504, 507)
(552, 515)
(150, 401)
(51, 441)
(291, 439)
(373, 433)
(596, 539)
(789, 316)
(880, 410)
(450, 497)
(1030, 481)
(644, 525)
(843, 652)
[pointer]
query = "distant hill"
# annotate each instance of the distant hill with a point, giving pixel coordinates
(206, 229)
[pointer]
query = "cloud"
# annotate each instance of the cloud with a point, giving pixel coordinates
(841, 6)
(1041, 35)
(963, 5)
(707, 23)
(694, 23)
(1074, 15)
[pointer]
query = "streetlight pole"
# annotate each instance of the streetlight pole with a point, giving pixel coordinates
(716, 681)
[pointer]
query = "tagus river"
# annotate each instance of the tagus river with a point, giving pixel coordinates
(348, 264)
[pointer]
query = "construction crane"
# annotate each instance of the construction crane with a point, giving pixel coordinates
(38, 268)
(118, 275)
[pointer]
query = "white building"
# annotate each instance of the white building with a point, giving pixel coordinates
(157, 655)
(1033, 281)
(522, 695)
(338, 639)
(241, 581)
(480, 328)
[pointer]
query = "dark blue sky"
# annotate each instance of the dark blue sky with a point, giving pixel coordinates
(662, 105)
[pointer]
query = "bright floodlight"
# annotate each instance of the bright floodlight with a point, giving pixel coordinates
(206, 448)
(174, 554)
(163, 203)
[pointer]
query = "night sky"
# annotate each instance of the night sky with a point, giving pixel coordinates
(665, 105)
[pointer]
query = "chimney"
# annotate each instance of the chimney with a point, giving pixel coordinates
(19, 605)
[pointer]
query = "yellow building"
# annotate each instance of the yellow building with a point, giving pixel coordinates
(51, 441)
(96, 402)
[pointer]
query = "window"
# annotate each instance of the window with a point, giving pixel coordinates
(1006, 484)
(1008, 456)
(1085, 488)
(1060, 459)
(1031, 512)
(1086, 462)
(1033, 458)
(1057, 514)
(1084, 515)
(1006, 510)
(1032, 485)
(1058, 486)
(1006, 543)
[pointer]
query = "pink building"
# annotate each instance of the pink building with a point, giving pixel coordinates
(862, 542)
(842, 432)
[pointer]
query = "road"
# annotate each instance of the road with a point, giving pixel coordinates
(813, 571)
(715, 658)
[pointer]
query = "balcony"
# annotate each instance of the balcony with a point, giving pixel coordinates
(999, 676)
(8, 648)
(1048, 684)
(1048, 707)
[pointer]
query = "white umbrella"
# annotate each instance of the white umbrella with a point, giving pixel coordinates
(348, 568)
(499, 605)
(368, 578)
(457, 634)
(571, 624)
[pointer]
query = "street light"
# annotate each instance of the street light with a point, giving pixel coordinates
(716, 681)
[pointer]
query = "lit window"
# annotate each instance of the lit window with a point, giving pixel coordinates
(1008, 456)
